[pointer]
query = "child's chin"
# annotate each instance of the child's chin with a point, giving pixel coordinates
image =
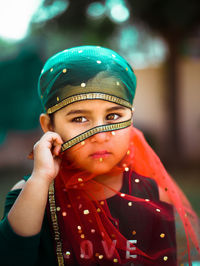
(99, 170)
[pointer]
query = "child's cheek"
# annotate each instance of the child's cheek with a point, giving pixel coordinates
(122, 137)
(77, 155)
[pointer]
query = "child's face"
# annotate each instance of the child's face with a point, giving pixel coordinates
(101, 152)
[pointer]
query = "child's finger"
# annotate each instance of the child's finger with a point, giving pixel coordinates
(56, 149)
(52, 137)
(49, 140)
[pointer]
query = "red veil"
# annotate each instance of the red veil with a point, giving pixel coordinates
(86, 233)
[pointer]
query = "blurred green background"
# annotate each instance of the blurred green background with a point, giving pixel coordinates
(161, 41)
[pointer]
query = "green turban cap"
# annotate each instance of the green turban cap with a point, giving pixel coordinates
(86, 73)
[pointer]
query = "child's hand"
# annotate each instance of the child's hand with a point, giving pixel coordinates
(46, 160)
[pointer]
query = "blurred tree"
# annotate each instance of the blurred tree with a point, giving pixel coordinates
(74, 16)
(75, 19)
(174, 20)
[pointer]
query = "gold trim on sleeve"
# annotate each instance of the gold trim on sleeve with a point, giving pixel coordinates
(104, 128)
(54, 220)
(88, 96)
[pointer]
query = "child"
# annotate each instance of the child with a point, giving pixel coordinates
(98, 194)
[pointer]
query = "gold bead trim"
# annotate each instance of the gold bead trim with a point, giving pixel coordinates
(88, 96)
(162, 235)
(54, 220)
(93, 131)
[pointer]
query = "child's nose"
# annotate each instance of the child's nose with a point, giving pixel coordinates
(101, 137)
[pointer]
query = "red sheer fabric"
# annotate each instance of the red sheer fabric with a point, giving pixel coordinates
(89, 233)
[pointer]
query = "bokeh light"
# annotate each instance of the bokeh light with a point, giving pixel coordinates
(15, 17)
(139, 46)
(96, 10)
(48, 12)
(119, 13)
(118, 10)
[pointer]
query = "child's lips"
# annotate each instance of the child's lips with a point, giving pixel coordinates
(100, 154)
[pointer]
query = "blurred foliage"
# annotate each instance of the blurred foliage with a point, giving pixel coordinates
(75, 20)
(170, 18)
(19, 102)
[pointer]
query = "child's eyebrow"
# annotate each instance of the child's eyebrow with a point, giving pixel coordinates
(83, 111)
(72, 112)
(114, 108)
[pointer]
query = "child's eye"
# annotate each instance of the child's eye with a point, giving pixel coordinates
(80, 119)
(112, 116)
